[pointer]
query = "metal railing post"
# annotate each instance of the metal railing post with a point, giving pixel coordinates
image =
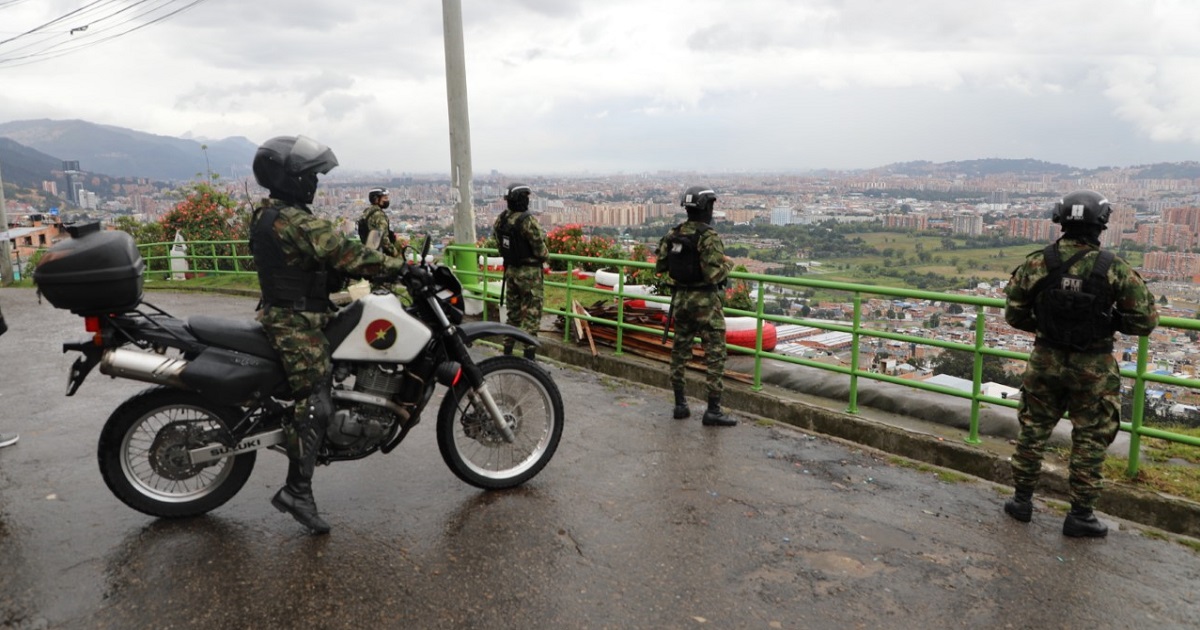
(977, 374)
(1139, 408)
(855, 325)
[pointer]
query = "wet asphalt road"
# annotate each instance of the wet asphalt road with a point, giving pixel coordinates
(640, 521)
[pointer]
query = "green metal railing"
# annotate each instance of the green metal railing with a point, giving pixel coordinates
(483, 284)
(203, 257)
(233, 257)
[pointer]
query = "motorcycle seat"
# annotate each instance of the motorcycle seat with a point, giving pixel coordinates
(234, 334)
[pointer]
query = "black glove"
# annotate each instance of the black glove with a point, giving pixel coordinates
(416, 276)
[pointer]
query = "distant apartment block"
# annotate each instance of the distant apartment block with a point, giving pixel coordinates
(966, 223)
(906, 221)
(1172, 266)
(1036, 230)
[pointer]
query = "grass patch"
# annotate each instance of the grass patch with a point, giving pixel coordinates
(1154, 474)
(944, 475)
(1154, 534)
(1194, 545)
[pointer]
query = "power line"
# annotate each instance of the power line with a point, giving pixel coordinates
(95, 23)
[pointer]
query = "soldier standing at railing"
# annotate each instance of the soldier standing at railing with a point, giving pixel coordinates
(693, 254)
(522, 243)
(1073, 301)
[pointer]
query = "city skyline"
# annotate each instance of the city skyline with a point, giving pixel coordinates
(563, 86)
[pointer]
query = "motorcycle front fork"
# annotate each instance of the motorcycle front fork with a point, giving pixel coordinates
(481, 395)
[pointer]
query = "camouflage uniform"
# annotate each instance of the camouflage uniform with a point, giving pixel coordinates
(697, 309)
(311, 242)
(1085, 384)
(523, 279)
(377, 221)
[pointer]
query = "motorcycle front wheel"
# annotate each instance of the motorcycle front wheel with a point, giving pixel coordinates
(472, 446)
(143, 454)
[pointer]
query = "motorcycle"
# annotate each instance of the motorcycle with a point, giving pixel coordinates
(188, 444)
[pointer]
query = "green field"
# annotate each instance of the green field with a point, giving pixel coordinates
(987, 264)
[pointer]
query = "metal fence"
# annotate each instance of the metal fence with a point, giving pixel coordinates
(232, 257)
(483, 284)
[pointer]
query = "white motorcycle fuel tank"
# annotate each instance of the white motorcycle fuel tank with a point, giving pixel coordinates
(385, 333)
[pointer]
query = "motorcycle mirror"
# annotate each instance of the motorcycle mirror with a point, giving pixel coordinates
(425, 249)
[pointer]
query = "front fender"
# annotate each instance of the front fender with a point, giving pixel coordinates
(472, 331)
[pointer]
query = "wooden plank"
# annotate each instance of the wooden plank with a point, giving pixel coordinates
(587, 329)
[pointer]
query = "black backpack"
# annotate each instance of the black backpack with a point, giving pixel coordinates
(511, 242)
(1073, 313)
(364, 230)
(683, 255)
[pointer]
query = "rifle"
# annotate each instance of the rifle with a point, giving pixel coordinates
(670, 316)
(503, 283)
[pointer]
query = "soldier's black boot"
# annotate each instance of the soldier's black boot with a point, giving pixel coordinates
(681, 410)
(508, 346)
(296, 497)
(714, 417)
(1081, 522)
(531, 353)
(1020, 506)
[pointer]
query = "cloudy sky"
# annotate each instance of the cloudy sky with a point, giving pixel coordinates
(565, 86)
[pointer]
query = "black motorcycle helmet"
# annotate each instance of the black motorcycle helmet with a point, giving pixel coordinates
(517, 196)
(1082, 210)
(375, 195)
(288, 166)
(698, 201)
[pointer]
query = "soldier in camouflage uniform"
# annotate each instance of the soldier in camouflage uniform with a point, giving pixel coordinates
(522, 243)
(374, 229)
(1074, 306)
(693, 254)
(298, 257)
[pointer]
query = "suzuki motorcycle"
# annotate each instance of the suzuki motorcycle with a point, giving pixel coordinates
(188, 444)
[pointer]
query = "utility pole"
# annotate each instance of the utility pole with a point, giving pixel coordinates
(460, 129)
(6, 269)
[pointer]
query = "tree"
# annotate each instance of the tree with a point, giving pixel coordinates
(962, 364)
(206, 215)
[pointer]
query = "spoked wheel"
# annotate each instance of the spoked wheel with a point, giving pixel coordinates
(144, 460)
(476, 450)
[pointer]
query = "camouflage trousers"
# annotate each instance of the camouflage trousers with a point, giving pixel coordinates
(299, 338)
(523, 297)
(1088, 388)
(699, 314)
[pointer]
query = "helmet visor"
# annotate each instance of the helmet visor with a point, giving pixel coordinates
(310, 156)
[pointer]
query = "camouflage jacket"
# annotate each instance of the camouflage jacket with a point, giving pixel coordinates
(377, 221)
(310, 242)
(1136, 312)
(713, 265)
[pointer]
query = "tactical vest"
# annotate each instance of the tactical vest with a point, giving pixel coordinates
(683, 256)
(282, 284)
(514, 247)
(1074, 313)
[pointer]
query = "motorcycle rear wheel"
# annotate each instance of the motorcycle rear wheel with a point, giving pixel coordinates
(143, 454)
(474, 449)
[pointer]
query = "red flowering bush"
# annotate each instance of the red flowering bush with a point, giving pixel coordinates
(570, 239)
(205, 215)
(737, 294)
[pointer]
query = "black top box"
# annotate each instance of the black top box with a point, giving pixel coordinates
(94, 273)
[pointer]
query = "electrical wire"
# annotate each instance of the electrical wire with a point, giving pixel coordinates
(93, 24)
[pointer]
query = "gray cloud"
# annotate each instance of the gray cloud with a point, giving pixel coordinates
(630, 85)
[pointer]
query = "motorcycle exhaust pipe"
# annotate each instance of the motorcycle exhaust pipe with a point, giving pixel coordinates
(143, 366)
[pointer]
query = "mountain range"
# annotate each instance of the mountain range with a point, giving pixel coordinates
(119, 152)
(32, 151)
